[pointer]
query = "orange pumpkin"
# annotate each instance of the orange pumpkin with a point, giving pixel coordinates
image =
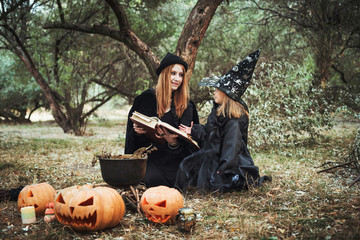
(62, 200)
(161, 204)
(37, 195)
(90, 209)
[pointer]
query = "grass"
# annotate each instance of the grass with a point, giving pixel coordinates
(298, 204)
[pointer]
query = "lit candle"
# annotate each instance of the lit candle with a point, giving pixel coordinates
(28, 215)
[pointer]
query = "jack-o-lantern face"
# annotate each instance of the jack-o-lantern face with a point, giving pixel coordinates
(161, 204)
(92, 209)
(37, 195)
(62, 200)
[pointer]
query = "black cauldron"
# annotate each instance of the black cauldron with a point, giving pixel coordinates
(123, 172)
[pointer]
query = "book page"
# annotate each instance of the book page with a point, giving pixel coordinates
(150, 124)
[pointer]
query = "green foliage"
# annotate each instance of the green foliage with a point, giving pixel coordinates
(284, 105)
(159, 23)
(18, 92)
(329, 28)
(151, 25)
(237, 30)
(83, 69)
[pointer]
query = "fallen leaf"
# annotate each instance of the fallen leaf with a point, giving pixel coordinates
(269, 194)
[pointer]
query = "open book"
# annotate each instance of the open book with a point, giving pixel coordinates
(150, 124)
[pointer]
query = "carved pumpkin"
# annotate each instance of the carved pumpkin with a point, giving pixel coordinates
(90, 209)
(37, 195)
(161, 204)
(62, 200)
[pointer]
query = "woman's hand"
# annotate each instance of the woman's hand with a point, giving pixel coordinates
(186, 129)
(161, 132)
(138, 129)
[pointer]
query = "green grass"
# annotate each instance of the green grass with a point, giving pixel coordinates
(298, 204)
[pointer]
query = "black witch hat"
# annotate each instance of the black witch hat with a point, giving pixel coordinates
(235, 82)
(168, 60)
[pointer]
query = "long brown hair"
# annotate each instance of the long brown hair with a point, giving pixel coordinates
(163, 93)
(231, 108)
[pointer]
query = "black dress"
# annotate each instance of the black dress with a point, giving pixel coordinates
(162, 164)
(224, 162)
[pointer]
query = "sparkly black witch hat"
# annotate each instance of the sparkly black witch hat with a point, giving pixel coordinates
(235, 82)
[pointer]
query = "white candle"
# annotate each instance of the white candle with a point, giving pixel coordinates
(28, 215)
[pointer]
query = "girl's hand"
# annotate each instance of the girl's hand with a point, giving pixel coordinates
(161, 132)
(138, 129)
(186, 129)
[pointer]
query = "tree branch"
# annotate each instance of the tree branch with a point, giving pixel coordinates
(194, 30)
(280, 15)
(120, 15)
(342, 74)
(6, 12)
(129, 38)
(95, 29)
(61, 11)
(88, 114)
(117, 89)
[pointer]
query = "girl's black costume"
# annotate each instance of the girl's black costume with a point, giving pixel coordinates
(224, 162)
(163, 163)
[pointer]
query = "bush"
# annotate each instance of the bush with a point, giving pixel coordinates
(19, 93)
(284, 105)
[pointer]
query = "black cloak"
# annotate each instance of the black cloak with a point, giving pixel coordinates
(224, 162)
(162, 164)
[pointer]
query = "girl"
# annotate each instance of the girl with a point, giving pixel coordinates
(170, 102)
(224, 162)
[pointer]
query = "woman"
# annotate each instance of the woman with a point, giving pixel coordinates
(224, 162)
(170, 102)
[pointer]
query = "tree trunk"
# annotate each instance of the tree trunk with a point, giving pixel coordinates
(194, 31)
(56, 111)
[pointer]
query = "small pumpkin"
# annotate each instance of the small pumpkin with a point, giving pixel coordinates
(62, 200)
(37, 195)
(90, 209)
(161, 204)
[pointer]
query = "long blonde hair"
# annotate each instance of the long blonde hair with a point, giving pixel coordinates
(231, 108)
(163, 93)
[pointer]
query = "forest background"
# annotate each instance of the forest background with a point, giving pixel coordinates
(73, 58)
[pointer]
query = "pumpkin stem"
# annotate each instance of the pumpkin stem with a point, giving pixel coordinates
(35, 179)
